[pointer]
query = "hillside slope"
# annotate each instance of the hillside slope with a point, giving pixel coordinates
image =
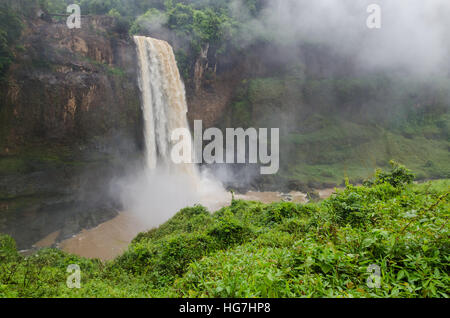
(250, 249)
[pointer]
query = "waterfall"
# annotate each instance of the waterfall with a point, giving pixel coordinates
(163, 102)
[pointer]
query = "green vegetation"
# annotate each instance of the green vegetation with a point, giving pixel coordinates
(344, 149)
(335, 128)
(114, 71)
(250, 249)
(193, 24)
(10, 30)
(203, 20)
(332, 128)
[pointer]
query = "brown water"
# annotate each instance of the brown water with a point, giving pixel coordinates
(106, 241)
(111, 239)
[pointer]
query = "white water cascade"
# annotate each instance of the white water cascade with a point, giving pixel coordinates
(152, 195)
(165, 186)
(163, 102)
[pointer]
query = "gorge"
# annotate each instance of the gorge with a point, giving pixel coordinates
(113, 158)
(72, 121)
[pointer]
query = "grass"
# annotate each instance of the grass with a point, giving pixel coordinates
(341, 149)
(250, 249)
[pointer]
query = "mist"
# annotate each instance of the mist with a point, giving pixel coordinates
(154, 196)
(413, 34)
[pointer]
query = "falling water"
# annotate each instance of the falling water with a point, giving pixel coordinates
(152, 196)
(166, 185)
(163, 102)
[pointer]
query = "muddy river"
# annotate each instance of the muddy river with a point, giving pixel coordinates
(111, 239)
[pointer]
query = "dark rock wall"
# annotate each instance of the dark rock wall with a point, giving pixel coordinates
(72, 85)
(70, 121)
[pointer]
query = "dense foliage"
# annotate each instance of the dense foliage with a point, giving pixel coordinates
(202, 18)
(192, 24)
(250, 249)
(10, 29)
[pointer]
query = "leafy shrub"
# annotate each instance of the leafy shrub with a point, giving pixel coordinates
(152, 20)
(398, 176)
(162, 260)
(295, 225)
(176, 253)
(8, 249)
(348, 206)
(187, 220)
(358, 205)
(277, 212)
(244, 271)
(275, 238)
(229, 231)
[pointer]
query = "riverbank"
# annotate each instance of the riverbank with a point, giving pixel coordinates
(111, 238)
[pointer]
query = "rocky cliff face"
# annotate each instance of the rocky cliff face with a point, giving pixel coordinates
(71, 85)
(213, 83)
(70, 120)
